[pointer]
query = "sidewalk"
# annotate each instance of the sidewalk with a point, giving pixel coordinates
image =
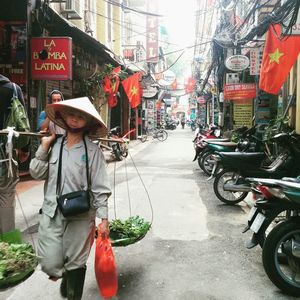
(29, 201)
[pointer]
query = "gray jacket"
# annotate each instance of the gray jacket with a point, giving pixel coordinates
(73, 175)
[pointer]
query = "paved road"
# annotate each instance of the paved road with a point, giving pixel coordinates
(195, 249)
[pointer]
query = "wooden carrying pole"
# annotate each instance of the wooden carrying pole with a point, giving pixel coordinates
(40, 135)
(27, 133)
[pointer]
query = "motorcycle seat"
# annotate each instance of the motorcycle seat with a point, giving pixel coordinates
(288, 184)
(291, 179)
(215, 140)
(227, 144)
(243, 156)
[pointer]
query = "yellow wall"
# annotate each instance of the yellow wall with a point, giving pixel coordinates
(116, 30)
(101, 21)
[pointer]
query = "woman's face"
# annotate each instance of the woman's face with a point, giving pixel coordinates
(75, 120)
(55, 98)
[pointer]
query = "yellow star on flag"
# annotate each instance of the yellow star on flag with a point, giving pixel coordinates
(133, 91)
(275, 56)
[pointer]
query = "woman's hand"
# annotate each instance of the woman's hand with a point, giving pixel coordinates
(104, 228)
(47, 141)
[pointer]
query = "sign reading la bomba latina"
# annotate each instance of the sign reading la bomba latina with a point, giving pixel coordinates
(237, 91)
(51, 58)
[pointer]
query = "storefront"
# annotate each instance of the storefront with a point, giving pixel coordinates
(13, 42)
(88, 57)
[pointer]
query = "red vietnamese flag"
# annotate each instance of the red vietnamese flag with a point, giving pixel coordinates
(111, 86)
(114, 84)
(278, 58)
(115, 80)
(190, 85)
(132, 89)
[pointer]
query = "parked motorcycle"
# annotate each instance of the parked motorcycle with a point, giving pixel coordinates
(210, 147)
(284, 239)
(193, 125)
(230, 185)
(201, 135)
(279, 206)
(245, 143)
(270, 207)
(118, 144)
(170, 125)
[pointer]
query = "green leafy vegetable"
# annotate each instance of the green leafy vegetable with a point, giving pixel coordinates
(132, 228)
(15, 260)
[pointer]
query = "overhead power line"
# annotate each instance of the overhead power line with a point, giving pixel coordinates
(132, 9)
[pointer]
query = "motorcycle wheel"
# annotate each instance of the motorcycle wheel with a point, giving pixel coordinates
(162, 135)
(117, 152)
(285, 276)
(124, 153)
(268, 226)
(201, 155)
(124, 150)
(144, 138)
(205, 164)
(227, 197)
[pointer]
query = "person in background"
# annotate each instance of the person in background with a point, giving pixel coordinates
(12, 114)
(64, 243)
(182, 121)
(44, 123)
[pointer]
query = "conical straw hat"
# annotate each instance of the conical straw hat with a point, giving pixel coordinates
(56, 111)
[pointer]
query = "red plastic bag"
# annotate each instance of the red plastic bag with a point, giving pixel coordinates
(105, 268)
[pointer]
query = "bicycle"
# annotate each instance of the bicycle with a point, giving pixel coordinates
(142, 138)
(157, 133)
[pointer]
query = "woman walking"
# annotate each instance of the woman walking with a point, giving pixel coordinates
(69, 164)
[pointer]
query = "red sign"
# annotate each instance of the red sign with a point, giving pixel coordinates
(128, 54)
(237, 91)
(51, 58)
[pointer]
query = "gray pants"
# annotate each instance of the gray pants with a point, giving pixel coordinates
(7, 200)
(64, 244)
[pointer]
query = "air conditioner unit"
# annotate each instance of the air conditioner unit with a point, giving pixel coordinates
(72, 9)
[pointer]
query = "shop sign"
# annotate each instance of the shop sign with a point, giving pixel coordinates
(51, 58)
(150, 92)
(255, 61)
(242, 114)
(237, 62)
(152, 25)
(167, 78)
(237, 91)
(128, 54)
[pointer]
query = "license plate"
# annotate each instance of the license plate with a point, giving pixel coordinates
(251, 213)
(259, 219)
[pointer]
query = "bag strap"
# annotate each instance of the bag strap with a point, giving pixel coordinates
(58, 181)
(9, 109)
(15, 93)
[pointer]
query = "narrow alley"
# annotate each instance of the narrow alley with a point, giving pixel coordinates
(195, 248)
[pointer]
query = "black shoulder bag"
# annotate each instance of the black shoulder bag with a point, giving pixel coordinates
(74, 203)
